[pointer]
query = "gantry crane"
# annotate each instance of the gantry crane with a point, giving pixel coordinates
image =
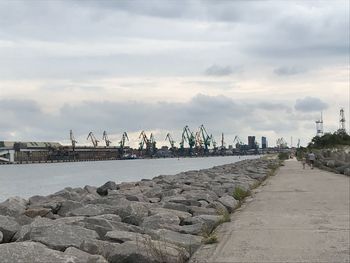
(122, 143)
(105, 138)
(72, 139)
(93, 139)
(152, 143)
(213, 143)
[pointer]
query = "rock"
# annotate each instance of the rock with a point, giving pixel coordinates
(84, 256)
(33, 252)
(68, 206)
(103, 190)
(60, 236)
(195, 229)
(347, 171)
(87, 210)
(134, 213)
(99, 247)
(52, 202)
(13, 206)
(209, 221)
(187, 202)
(187, 241)
(149, 251)
(229, 202)
(195, 211)
(123, 236)
(91, 189)
(175, 206)
(159, 210)
(163, 220)
(34, 212)
(24, 220)
(100, 225)
(8, 227)
(1, 236)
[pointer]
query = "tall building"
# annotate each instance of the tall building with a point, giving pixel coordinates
(263, 143)
(251, 142)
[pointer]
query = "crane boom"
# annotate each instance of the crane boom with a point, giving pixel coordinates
(93, 139)
(105, 138)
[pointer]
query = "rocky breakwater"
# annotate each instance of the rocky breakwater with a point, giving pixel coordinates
(334, 160)
(158, 220)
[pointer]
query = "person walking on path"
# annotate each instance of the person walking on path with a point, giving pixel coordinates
(312, 159)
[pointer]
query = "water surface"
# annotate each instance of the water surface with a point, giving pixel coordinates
(42, 179)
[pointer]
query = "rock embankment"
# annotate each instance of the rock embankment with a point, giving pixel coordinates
(158, 220)
(335, 160)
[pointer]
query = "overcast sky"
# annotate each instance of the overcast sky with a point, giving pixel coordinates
(264, 68)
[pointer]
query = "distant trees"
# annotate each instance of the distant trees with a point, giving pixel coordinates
(330, 140)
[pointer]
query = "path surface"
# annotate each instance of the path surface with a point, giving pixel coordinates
(296, 216)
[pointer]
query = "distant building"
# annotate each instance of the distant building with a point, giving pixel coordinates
(251, 142)
(263, 143)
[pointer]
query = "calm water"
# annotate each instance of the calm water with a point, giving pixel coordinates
(43, 179)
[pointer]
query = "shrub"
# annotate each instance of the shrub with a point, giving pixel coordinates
(283, 156)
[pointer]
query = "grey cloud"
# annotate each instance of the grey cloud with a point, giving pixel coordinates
(309, 104)
(217, 113)
(216, 70)
(287, 71)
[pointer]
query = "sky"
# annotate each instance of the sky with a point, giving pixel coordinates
(263, 68)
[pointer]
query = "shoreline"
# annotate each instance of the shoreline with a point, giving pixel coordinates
(152, 220)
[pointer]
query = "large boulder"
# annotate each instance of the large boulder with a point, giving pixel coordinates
(13, 206)
(40, 211)
(134, 213)
(103, 190)
(186, 241)
(229, 202)
(162, 220)
(123, 236)
(8, 227)
(87, 210)
(84, 256)
(100, 247)
(68, 206)
(33, 252)
(1, 236)
(60, 236)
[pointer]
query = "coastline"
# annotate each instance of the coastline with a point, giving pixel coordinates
(164, 219)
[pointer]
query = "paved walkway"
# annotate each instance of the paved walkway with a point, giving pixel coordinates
(296, 216)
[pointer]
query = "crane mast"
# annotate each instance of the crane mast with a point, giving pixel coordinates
(171, 141)
(105, 138)
(93, 139)
(72, 139)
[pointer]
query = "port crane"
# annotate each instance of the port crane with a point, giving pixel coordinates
(171, 141)
(150, 143)
(198, 140)
(205, 137)
(238, 142)
(72, 139)
(188, 136)
(105, 138)
(122, 143)
(144, 140)
(213, 143)
(93, 139)
(281, 143)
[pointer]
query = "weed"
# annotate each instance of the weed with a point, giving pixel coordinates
(239, 193)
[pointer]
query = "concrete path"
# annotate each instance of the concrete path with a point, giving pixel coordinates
(296, 216)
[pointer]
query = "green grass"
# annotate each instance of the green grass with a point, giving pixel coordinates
(239, 193)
